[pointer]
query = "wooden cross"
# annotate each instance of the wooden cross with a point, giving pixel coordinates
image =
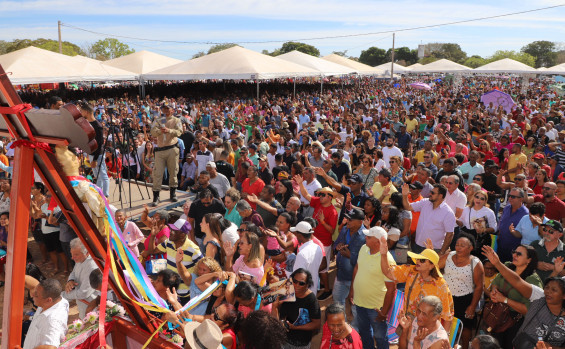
(33, 130)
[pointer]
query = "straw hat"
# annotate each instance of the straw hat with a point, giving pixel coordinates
(428, 254)
(205, 335)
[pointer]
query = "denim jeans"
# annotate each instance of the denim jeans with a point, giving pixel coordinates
(102, 181)
(370, 327)
(341, 290)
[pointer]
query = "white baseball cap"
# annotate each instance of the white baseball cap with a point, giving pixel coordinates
(303, 227)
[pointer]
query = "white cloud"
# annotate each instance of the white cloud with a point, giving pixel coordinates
(335, 17)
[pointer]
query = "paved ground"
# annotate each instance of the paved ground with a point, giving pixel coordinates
(139, 197)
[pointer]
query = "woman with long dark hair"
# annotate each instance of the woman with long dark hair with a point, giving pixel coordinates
(284, 191)
(524, 263)
(301, 317)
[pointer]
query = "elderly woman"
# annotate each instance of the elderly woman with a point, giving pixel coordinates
(425, 330)
(422, 279)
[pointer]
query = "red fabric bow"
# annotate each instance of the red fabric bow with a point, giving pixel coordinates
(31, 144)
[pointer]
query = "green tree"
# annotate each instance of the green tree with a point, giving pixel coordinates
(109, 48)
(523, 57)
(198, 55)
(298, 46)
(220, 47)
(545, 52)
(403, 54)
(340, 53)
(373, 56)
(3, 47)
(450, 51)
(428, 59)
(475, 61)
(69, 48)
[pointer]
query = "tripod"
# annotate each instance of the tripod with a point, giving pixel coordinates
(129, 142)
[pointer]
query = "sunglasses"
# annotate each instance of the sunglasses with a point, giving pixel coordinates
(519, 179)
(514, 196)
(517, 253)
(217, 317)
(301, 283)
(323, 195)
(549, 230)
(427, 157)
(477, 178)
(449, 183)
(480, 197)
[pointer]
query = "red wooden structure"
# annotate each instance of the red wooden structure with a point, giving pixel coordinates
(32, 129)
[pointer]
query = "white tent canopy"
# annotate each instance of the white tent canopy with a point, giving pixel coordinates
(506, 65)
(142, 62)
(360, 68)
(556, 69)
(399, 69)
(323, 66)
(33, 65)
(440, 66)
(99, 71)
(415, 65)
(235, 63)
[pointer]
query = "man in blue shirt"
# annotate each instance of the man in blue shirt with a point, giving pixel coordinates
(347, 246)
(512, 214)
(404, 139)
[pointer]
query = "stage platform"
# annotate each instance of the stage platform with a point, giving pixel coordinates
(142, 194)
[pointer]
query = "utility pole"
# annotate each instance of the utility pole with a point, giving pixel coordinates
(392, 59)
(60, 42)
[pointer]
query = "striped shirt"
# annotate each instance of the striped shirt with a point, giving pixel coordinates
(191, 255)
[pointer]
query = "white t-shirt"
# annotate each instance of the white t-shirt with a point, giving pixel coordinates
(390, 152)
(311, 189)
(230, 234)
(457, 199)
(46, 229)
(470, 215)
(48, 327)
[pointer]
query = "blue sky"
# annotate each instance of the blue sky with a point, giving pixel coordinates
(264, 20)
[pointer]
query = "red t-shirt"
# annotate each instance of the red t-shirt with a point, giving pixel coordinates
(555, 209)
(533, 184)
(352, 341)
(330, 217)
(254, 188)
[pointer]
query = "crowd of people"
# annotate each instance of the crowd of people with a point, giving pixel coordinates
(457, 204)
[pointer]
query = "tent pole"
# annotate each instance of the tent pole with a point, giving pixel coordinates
(321, 84)
(294, 87)
(257, 89)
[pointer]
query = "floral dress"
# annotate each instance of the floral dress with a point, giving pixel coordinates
(430, 339)
(397, 178)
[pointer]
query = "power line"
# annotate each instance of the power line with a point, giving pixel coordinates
(322, 37)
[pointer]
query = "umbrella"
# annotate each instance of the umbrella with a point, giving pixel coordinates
(498, 98)
(420, 86)
(559, 89)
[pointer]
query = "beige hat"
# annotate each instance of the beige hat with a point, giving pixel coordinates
(205, 335)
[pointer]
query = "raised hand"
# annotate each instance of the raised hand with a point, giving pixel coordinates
(421, 334)
(403, 320)
(180, 255)
(558, 264)
(491, 255)
(405, 189)
(229, 249)
(429, 244)
(383, 249)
